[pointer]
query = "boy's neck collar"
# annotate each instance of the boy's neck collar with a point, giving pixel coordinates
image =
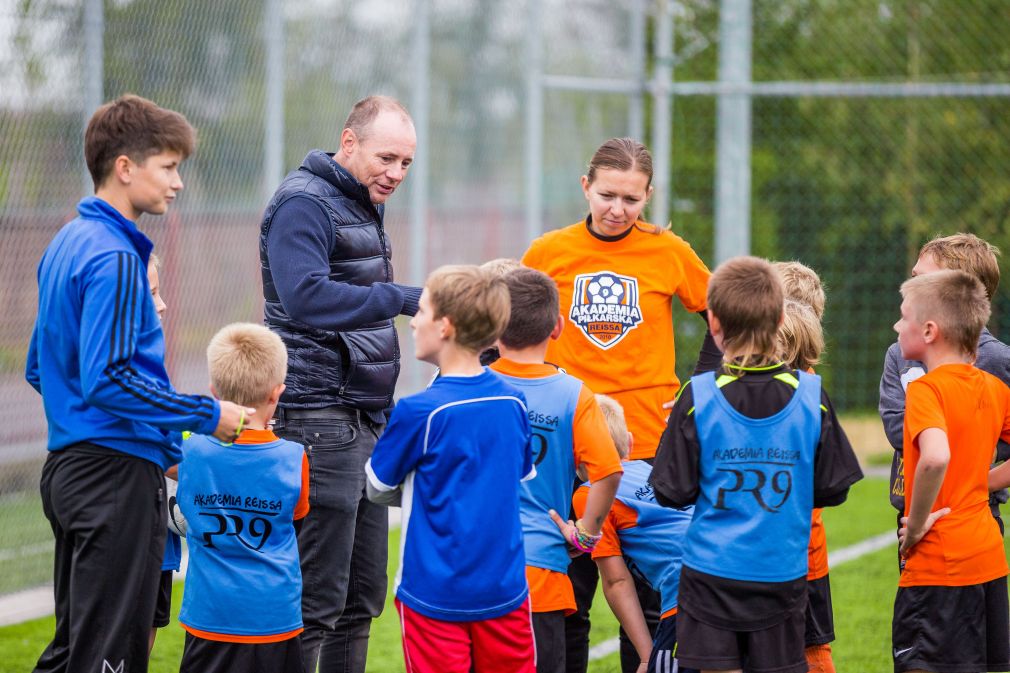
(455, 361)
(935, 358)
(534, 355)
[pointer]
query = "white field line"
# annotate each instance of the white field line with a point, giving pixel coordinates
(835, 558)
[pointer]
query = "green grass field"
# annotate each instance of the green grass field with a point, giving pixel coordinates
(862, 590)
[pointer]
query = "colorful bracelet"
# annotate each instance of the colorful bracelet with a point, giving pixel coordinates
(582, 540)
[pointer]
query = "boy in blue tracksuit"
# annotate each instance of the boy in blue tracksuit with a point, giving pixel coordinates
(242, 605)
(755, 449)
(97, 357)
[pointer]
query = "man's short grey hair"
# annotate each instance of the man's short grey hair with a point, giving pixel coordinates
(367, 109)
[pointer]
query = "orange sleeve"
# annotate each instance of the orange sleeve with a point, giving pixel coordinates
(1005, 392)
(302, 508)
(620, 517)
(693, 288)
(591, 439)
(922, 410)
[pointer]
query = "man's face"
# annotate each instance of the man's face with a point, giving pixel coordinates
(380, 159)
(154, 183)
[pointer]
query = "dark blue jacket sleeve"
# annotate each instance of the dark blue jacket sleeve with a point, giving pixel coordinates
(299, 246)
(114, 296)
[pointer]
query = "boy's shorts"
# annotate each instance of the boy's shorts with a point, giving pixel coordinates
(820, 621)
(952, 629)
(776, 649)
(212, 656)
(163, 608)
(664, 649)
(500, 645)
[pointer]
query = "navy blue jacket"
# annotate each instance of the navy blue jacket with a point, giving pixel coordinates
(97, 353)
(329, 291)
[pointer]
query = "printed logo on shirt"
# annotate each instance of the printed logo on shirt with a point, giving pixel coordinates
(911, 374)
(108, 668)
(605, 307)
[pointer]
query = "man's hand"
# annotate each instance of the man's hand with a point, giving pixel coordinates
(568, 531)
(232, 421)
(909, 537)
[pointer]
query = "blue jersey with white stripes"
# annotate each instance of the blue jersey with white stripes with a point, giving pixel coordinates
(459, 449)
(97, 353)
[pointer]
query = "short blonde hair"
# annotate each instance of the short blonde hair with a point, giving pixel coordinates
(801, 283)
(745, 294)
(613, 414)
(475, 301)
(800, 337)
(246, 362)
(955, 301)
(502, 266)
(968, 253)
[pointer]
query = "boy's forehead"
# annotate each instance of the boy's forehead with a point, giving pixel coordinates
(926, 263)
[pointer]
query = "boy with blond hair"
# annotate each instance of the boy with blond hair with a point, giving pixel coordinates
(241, 607)
(639, 536)
(950, 612)
(569, 434)
(453, 456)
(804, 307)
(97, 357)
(978, 258)
(756, 445)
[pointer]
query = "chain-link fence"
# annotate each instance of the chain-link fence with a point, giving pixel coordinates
(849, 180)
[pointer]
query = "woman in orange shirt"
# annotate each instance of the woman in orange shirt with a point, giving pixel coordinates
(617, 277)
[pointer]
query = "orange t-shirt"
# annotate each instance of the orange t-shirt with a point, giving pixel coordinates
(620, 517)
(973, 409)
(593, 448)
(252, 436)
(616, 297)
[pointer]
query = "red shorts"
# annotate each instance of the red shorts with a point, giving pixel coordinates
(500, 645)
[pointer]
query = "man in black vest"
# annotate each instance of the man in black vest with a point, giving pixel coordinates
(329, 293)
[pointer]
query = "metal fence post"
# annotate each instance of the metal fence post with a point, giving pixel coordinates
(636, 101)
(661, 116)
(532, 160)
(94, 74)
(733, 135)
(420, 168)
(273, 95)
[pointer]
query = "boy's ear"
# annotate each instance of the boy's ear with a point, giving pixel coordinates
(275, 394)
(558, 326)
(121, 170)
(446, 330)
(930, 331)
(214, 392)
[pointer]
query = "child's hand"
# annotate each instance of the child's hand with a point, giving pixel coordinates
(568, 530)
(908, 538)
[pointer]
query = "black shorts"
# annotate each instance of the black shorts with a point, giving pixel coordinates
(549, 634)
(163, 608)
(664, 649)
(952, 629)
(820, 621)
(211, 656)
(776, 649)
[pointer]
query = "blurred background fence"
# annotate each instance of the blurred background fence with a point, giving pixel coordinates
(843, 133)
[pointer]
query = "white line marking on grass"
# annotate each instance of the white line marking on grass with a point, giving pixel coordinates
(25, 551)
(835, 558)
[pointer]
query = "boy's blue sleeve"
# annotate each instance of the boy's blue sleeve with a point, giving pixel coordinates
(399, 449)
(112, 306)
(32, 364)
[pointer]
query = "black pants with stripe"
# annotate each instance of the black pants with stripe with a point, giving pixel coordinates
(107, 512)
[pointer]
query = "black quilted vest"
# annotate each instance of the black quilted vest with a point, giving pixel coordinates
(355, 368)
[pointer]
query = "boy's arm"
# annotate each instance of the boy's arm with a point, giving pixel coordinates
(298, 246)
(32, 363)
(395, 455)
(619, 590)
(836, 467)
(112, 305)
(892, 398)
(675, 470)
(594, 449)
(934, 455)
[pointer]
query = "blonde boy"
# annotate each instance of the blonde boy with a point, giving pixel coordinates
(756, 449)
(241, 608)
(971, 254)
(454, 455)
(950, 613)
(640, 532)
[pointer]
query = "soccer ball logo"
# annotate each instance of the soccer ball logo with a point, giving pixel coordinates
(605, 288)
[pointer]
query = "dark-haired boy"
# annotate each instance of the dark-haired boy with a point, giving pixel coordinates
(570, 435)
(97, 357)
(755, 446)
(951, 612)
